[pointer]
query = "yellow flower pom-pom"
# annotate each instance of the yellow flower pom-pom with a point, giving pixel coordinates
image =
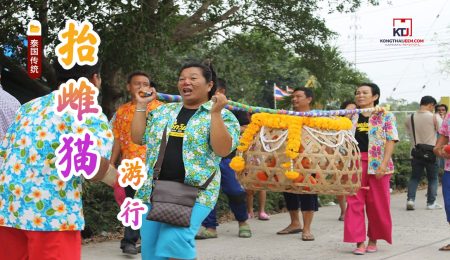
(291, 175)
(286, 165)
(237, 163)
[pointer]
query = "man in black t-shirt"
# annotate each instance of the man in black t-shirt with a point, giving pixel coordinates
(230, 186)
(172, 168)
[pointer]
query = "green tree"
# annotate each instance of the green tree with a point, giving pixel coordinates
(253, 62)
(336, 78)
(157, 35)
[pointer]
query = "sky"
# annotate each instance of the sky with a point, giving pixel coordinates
(401, 72)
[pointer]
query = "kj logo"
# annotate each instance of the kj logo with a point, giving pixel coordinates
(402, 27)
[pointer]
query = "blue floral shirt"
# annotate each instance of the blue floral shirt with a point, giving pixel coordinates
(32, 196)
(199, 159)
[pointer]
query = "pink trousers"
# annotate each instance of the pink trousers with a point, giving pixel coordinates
(377, 202)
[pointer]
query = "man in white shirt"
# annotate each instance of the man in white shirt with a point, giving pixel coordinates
(425, 130)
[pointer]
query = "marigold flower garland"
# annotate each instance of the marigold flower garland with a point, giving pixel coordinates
(294, 126)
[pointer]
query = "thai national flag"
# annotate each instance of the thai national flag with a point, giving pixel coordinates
(289, 90)
(278, 93)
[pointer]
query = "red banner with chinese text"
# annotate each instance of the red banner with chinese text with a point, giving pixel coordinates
(34, 54)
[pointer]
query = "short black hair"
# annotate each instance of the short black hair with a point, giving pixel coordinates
(154, 84)
(427, 100)
(137, 73)
(207, 71)
(375, 90)
(441, 105)
(221, 83)
(346, 103)
(76, 72)
(308, 91)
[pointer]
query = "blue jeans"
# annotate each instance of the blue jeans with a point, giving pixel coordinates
(130, 236)
(446, 193)
(418, 168)
(235, 193)
(441, 163)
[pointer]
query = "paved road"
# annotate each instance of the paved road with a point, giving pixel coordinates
(417, 235)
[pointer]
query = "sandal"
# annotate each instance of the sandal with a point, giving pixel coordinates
(307, 237)
(359, 251)
(289, 230)
(263, 216)
(244, 231)
(205, 233)
(371, 249)
(445, 248)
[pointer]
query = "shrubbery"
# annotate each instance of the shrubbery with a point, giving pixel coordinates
(402, 162)
(100, 209)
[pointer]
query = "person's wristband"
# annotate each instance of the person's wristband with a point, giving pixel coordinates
(140, 110)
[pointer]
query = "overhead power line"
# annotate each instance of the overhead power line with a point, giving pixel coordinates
(405, 58)
(429, 30)
(390, 48)
(399, 55)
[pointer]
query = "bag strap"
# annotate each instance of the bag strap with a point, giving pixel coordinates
(208, 181)
(159, 161)
(162, 151)
(413, 129)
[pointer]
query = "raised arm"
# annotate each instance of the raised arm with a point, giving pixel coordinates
(139, 119)
(220, 139)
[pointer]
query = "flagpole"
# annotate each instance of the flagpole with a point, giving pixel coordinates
(274, 98)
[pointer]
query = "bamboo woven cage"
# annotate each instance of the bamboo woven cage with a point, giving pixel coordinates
(327, 162)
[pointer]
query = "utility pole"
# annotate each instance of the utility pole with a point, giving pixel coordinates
(355, 27)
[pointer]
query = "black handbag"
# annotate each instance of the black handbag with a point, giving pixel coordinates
(422, 152)
(172, 201)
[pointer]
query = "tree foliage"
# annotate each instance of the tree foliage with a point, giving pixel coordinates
(253, 62)
(336, 78)
(157, 35)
